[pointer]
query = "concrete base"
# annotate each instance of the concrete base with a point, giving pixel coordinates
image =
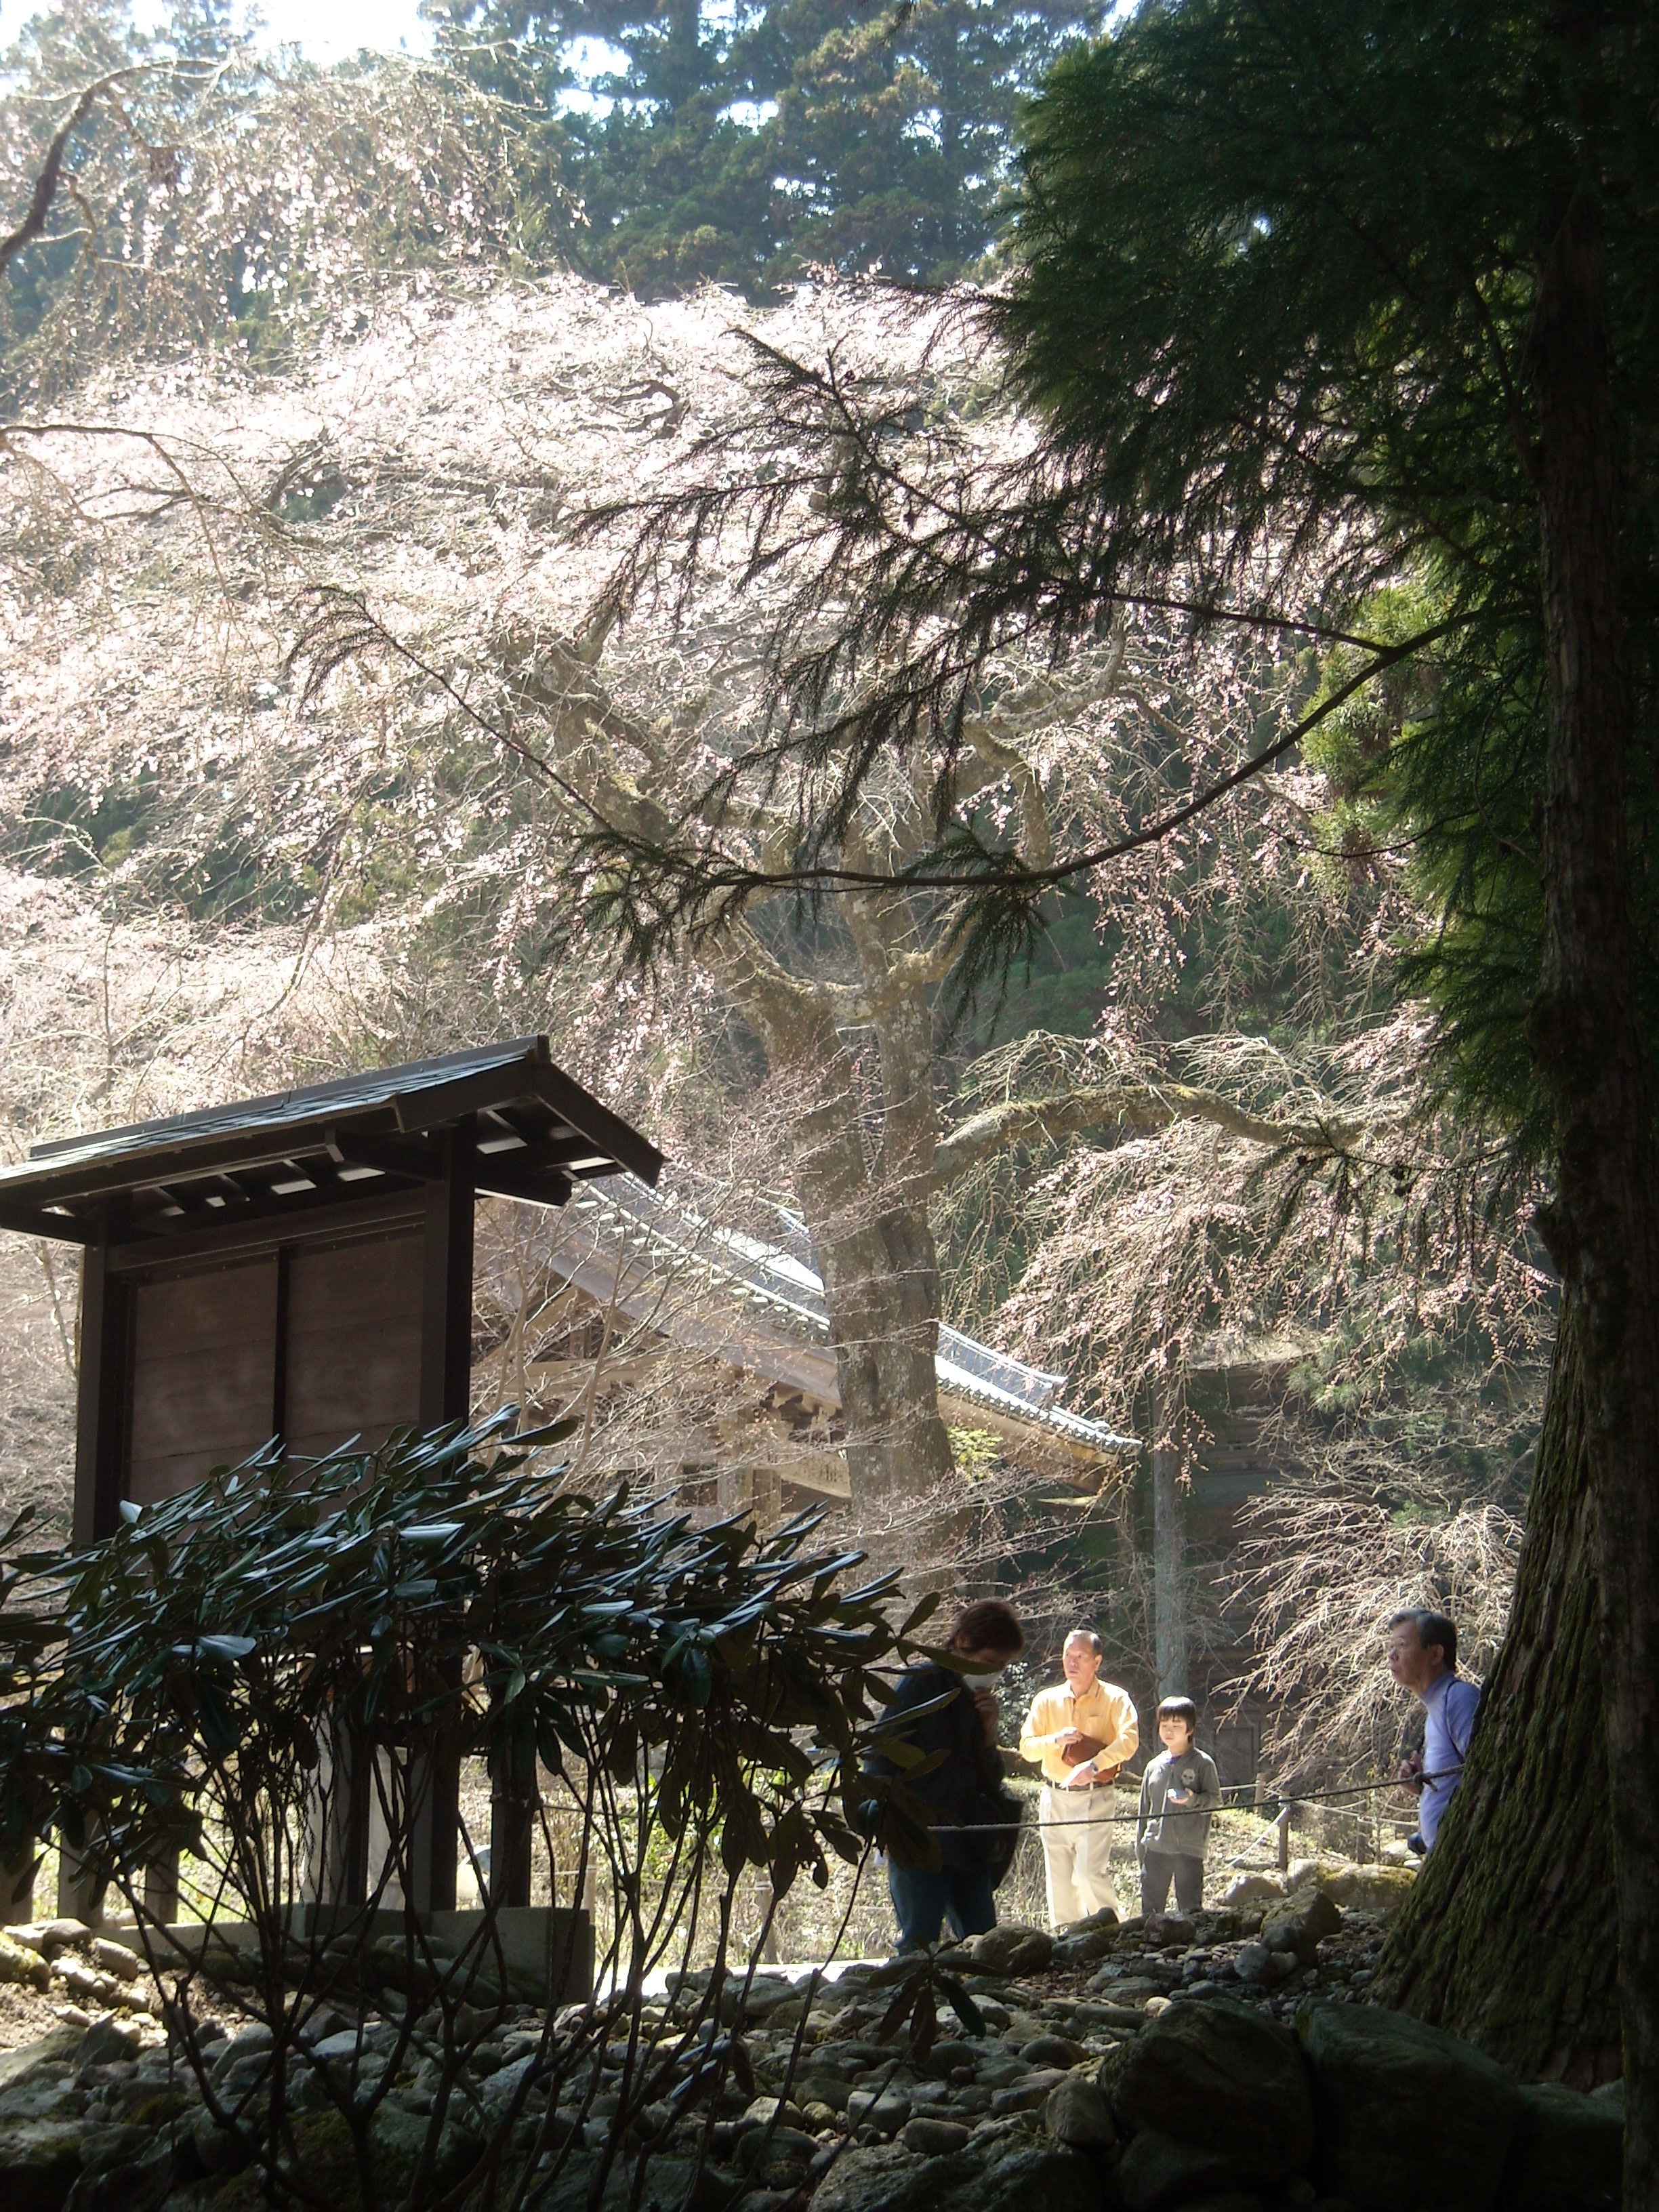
(547, 1950)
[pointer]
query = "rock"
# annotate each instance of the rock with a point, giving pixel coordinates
(886, 2109)
(1025, 2096)
(1156, 2172)
(1568, 2153)
(1013, 1950)
(1244, 1888)
(1000, 2073)
(1097, 1922)
(825, 2089)
(133, 2186)
(247, 2043)
(1053, 2050)
(1077, 2112)
(102, 2148)
(1405, 2113)
(762, 2112)
(1072, 1952)
(104, 2043)
(219, 2151)
(1166, 1927)
(33, 2062)
(668, 2183)
(1262, 1968)
(39, 2160)
(115, 1959)
(1371, 1889)
(1002, 2177)
(1221, 2078)
(1299, 1926)
(757, 2148)
(345, 2044)
(884, 2178)
(19, 1963)
(56, 1936)
(1018, 2178)
(933, 2138)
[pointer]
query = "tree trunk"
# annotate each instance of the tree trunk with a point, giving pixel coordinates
(873, 1244)
(1588, 1038)
(1511, 1936)
(881, 1285)
(1169, 1573)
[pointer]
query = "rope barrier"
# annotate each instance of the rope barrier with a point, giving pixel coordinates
(1132, 1819)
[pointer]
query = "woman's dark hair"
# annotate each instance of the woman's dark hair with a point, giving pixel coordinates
(1179, 1709)
(989, 1625)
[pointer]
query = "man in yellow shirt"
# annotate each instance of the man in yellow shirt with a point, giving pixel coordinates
(1081, 1733)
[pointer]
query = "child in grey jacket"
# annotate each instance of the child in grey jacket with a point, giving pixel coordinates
(1178, 1793)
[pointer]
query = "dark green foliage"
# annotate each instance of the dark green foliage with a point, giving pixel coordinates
(207, 1677)
(202, 1651)
(745, 146)
(1273, 277)
(1276, 277)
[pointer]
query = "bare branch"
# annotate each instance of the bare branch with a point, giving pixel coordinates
(1139, 1107)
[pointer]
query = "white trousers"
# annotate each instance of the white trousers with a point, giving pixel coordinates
(1075, 1825)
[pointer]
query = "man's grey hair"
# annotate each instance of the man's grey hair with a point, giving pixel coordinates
(1431, 1628)
(1088, 1637)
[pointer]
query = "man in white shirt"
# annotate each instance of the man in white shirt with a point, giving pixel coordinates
(1081, 1733)
(1423, 1658)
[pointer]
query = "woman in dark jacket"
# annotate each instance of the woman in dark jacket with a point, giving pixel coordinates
(963, 1790)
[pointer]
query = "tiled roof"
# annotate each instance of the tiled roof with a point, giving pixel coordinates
(677, 1232)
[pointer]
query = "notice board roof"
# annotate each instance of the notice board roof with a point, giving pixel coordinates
(535, 1131)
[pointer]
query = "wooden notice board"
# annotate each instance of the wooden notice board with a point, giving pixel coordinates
(309, 1346)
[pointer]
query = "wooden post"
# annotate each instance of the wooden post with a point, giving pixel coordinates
(337, 1872)
(161, 1889)
(101, 1411)
(79, 1892)
(446, 1297)
(764, 1900)
(1283, 1824)
(17, 1892)
(512, 1832)
(435, 1781)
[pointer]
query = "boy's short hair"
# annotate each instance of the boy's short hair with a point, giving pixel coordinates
(1179, 1709)
(989, 1625)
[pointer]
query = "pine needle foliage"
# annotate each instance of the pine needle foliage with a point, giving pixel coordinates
(1274, 274)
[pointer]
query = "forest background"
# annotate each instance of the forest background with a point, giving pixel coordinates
(318, 386)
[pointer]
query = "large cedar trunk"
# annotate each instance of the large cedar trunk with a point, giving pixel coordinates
(1592, 1052)
(873, 1246)
(882, 1289)
(1511, 1936)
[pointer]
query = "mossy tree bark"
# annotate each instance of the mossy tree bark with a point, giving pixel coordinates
(1511, 1936)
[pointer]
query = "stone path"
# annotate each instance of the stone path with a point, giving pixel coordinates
(1227, 2063)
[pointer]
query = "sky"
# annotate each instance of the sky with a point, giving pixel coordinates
(327, 30)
